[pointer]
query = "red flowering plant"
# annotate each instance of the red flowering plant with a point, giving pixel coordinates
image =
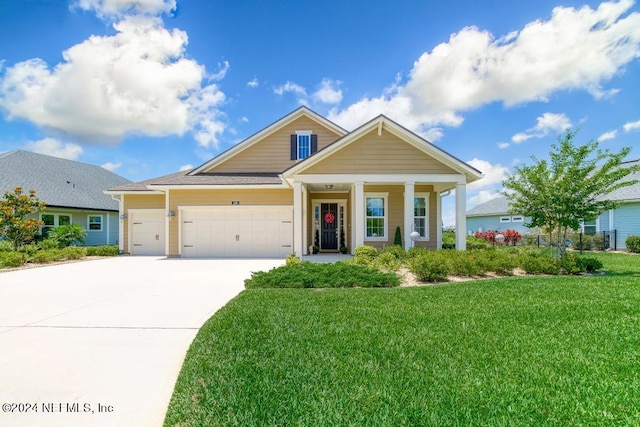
(489, 236)
(511, 237)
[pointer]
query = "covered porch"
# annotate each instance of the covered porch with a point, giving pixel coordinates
(346, 211)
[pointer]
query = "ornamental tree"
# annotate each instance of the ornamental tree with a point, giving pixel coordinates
(15, 224)
(572, 186)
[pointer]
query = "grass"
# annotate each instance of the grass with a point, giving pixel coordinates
(513, 351)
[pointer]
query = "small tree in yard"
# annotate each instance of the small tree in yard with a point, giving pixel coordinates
(569, 188)
(15, 226)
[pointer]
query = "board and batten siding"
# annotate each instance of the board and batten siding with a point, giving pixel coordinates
(626, 220)
(221, 197)
(273, 153)
(374, 153)
(395, 216)
(139, 201)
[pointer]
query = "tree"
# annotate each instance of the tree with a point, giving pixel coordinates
(569, 188)
(15, 208)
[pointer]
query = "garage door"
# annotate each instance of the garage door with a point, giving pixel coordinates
(147, 232)
(247, 232)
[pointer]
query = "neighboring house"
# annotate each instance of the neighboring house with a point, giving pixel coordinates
(300, 181)
(624, 220)
(73, 192)
(495, 215)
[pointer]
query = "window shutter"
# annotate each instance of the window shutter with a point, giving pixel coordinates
(294, 147)
(314, 143)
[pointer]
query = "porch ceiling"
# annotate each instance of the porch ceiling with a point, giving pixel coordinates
(328, 187)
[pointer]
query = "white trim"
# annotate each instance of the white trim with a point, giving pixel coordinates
(121, 224)
(409, 206)
(517, 218)
(342, 203)
(358, 209)
(300, 133)
(139, 193)
(56, 218)
(385, 236)
(108, 228)
(461, 217)
(427, 234)
(611, 218)
(269, 130)
(297, 217)
(305, 218)
(505, 219)
(162, 188)
(303, 132)
(438, 221)
(89, 222)
(167, 222)
(380, 178)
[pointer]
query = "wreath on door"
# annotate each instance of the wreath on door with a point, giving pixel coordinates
(329, 218)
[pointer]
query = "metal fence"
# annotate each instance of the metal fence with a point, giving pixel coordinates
(600, 241)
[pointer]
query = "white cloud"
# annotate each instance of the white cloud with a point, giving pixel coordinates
(433, 134)
(628, 127)
(481, 197)
(53, 147)
(137, 81)
(244, 119)
(494, 174)
(548, 122)
(253, 83)
(328, 93)
(576, 49)
(186, 167)
(110, 166)
(290, 87)
(114, 9)
(503, 145)
(608, 135)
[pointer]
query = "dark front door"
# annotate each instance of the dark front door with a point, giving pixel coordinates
(329, 220)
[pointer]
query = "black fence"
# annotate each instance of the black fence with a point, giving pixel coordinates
(600, 241)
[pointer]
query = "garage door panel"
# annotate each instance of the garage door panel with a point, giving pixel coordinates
(237, 232)
(147, 232)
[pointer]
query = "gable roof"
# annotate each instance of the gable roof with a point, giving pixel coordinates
(274, 127)
(383, 122)
(59, 182)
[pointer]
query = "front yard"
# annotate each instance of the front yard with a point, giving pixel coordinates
(520, 350)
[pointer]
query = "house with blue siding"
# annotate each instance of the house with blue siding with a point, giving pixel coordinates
(72, 191)
(622, 221)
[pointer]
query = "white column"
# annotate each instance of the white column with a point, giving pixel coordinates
(167, 224)
(409, 194)
(297, 218)
(461, 217)
(121, 224)
(305, 222)
(438, 221)
(359, 210)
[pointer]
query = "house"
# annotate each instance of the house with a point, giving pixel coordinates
(494, 215)
(73, 192)
(621, 222)
(299, 182)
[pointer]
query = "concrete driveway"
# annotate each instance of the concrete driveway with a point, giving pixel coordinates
(102, 342)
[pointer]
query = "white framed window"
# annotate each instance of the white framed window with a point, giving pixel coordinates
(421, 215)
(376, 220)
(304, 144)
(94, 222)
(517, 218)
(589, 227)
(504, 219)
(52, 220)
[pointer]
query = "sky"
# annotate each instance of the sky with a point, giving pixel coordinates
(145, 88)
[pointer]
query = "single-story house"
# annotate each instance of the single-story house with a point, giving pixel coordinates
(73, 192)
(301, 182)
(622, 221)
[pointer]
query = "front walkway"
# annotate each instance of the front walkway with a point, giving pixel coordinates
(101, 343)
(326, 257)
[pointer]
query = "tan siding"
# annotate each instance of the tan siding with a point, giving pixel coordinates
(272, 154)
(178, 198)
(139, 201)
(379, 154)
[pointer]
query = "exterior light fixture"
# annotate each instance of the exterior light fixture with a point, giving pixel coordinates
(329, 186)
(171, 214)
(123, 216)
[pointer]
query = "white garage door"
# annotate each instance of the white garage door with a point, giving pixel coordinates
(147, 232)
(236, 232)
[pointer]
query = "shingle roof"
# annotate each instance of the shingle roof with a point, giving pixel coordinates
(500, 205)
(182, 178)
(59, 182)
(496, 206)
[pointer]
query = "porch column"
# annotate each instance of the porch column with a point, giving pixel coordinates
(438, 221)
(305, 221)
(297, 218)
(409, 194)
(359, 211)
(461, 217)
(121, 221)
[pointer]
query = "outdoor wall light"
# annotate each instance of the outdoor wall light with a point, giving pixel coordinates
(329, 186)
(123, 216)
(171, 214)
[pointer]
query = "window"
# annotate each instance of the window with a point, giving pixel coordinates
(589, 227)
(517, 219)
(420, 214)
(304, 146)
(95, 222)
(53, 220)
(376, 216)
(504, 219)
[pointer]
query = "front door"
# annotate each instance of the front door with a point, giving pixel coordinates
(329, 220)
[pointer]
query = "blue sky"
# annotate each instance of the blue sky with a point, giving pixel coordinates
(146, 87)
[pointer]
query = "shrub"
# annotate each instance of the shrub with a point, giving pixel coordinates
(588, 264)
(429, 267)
(364, 255)
(477, 243)
(106, 250)
(74, 252)
(463, 263)
(569, 265)
(12, 259)
(321, 275)
(587, 242)
(633, 244)
(397, 239)
(386, 261)
(5, 246)
(47, 256)
(600, 242)
(66, 235)
(48, 243)
(536, 262)
(292, 259)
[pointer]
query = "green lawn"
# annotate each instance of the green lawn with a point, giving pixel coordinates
(514, 351)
